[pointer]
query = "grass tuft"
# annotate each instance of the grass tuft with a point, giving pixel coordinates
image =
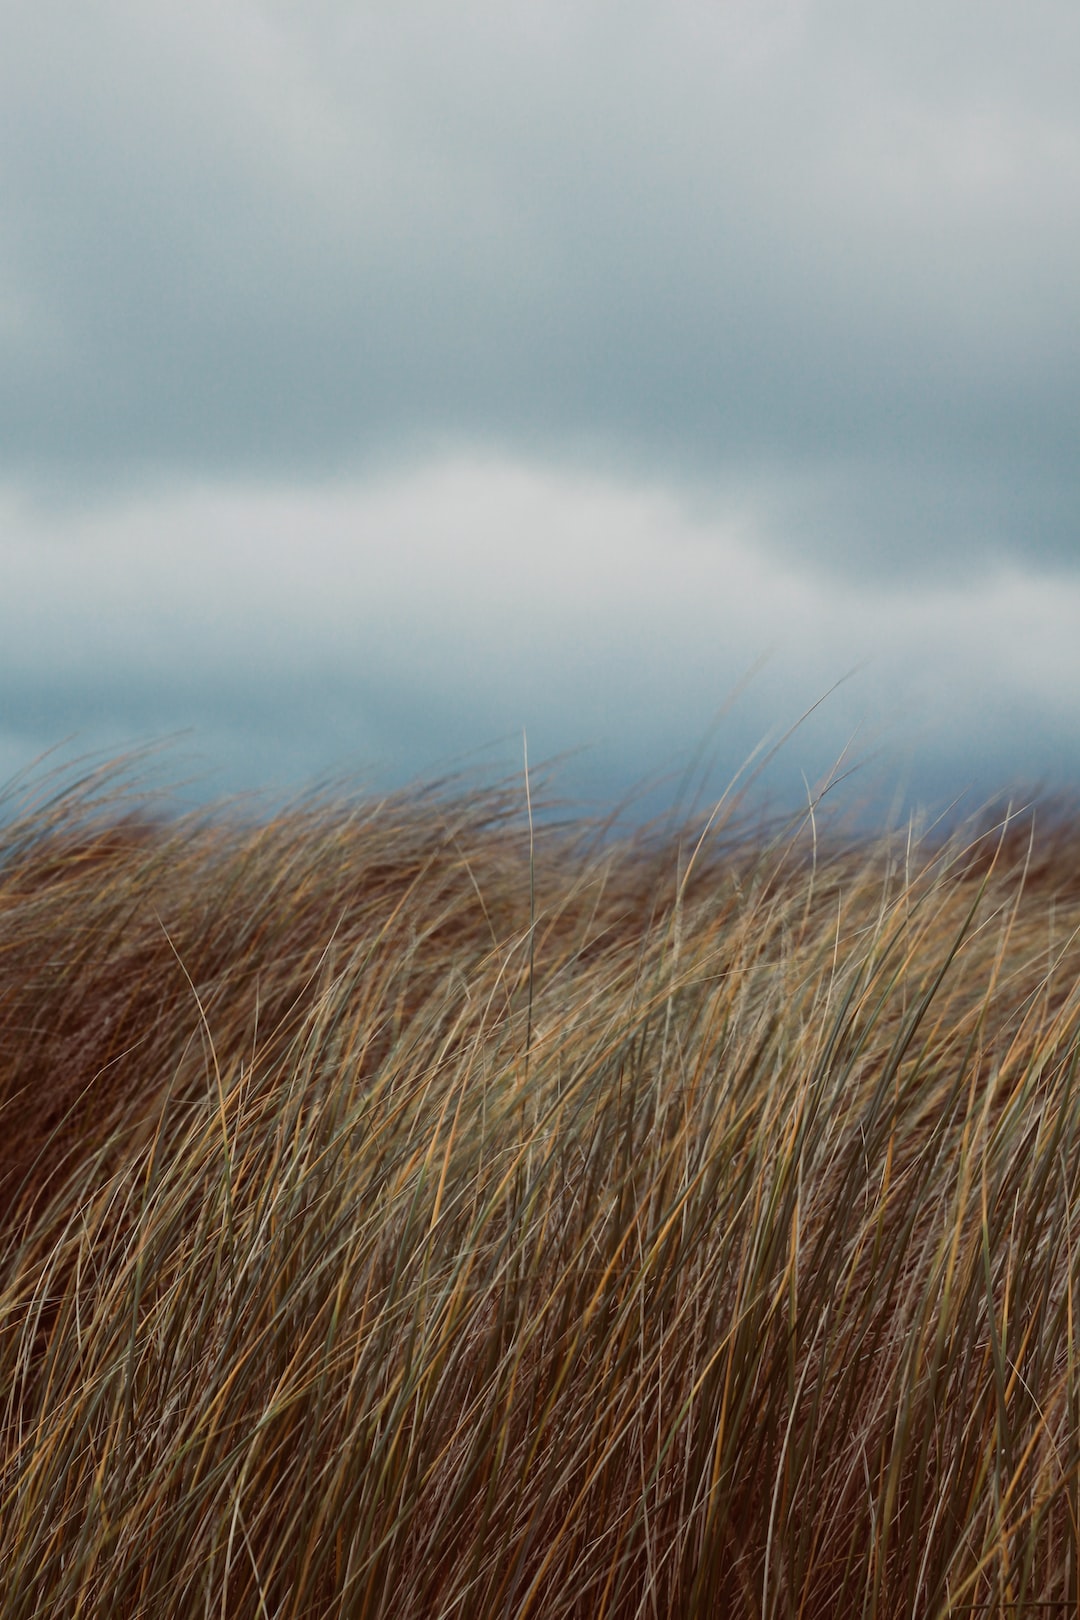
(414, 1209)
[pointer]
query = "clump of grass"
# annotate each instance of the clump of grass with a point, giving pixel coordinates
(702, 1238)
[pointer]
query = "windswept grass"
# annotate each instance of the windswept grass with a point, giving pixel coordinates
(726, 1264)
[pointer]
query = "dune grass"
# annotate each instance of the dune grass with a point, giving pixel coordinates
(699, 1236)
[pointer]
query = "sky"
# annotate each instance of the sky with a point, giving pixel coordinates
(381, 386)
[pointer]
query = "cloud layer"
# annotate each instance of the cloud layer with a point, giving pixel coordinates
(376, 380)
(834, 254)
(433, 615)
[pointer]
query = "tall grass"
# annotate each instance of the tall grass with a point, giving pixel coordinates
(701, 1239)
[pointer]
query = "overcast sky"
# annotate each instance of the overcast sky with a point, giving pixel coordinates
(378, 381)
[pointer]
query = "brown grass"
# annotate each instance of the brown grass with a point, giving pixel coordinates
(747, 1290)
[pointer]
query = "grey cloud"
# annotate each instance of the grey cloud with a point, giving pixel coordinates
(812, 249)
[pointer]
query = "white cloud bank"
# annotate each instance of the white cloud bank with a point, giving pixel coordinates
(384, 625)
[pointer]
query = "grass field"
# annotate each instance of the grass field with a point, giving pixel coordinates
(398, 1223)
